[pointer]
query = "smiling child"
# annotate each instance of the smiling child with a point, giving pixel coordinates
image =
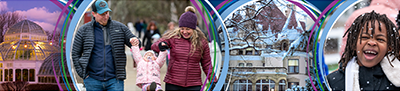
(370, 58)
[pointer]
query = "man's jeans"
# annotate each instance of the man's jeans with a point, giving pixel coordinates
(96, 85)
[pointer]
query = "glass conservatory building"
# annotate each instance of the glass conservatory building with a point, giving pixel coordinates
(53, 64)
(23, 51)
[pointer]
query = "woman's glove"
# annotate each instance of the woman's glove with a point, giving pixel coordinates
(163, 46)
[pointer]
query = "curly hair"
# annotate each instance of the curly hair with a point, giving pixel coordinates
(353, 34)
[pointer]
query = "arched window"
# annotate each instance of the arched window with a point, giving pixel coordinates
(18, 75)
(242, 85)
(249, 51)
(282, 85)
(265, 85)
(285, 46)
(10, 75)
(241, 65)
(249, 65)
(25, 74)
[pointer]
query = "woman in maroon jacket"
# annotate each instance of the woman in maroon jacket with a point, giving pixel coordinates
(188, 47)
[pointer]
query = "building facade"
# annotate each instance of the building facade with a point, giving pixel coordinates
(266, 49)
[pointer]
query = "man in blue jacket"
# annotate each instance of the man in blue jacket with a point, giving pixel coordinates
(98, 51)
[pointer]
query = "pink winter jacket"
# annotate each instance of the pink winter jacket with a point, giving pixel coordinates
(184, 70)
(389, 7)
(147, 72)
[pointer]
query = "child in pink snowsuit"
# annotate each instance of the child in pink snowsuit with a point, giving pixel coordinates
(148, 68)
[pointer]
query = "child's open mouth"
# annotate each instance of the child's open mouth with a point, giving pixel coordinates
(370, 54)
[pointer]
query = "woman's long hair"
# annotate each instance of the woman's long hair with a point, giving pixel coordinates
(196, 39)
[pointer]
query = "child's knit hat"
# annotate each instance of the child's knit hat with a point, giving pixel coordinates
(189, 18)
(150, 51)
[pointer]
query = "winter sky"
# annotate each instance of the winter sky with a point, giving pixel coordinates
(44, 13)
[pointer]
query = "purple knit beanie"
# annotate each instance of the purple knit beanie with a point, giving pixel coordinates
(189, 18)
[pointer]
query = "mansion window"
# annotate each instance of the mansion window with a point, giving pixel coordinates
(293, 66)
(242, 85)
(249, 52)
(241, 65)
(249, 64)
(265, 85)
(285, 46)
(241, 52)
(282, 85)
(245, 65)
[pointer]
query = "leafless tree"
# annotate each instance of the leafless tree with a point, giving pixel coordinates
(259, 23)
(8, 19)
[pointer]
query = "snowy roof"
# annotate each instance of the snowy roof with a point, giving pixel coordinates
(245, 57)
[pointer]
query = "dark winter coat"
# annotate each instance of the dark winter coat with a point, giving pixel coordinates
(184, 70)
(101, 64)
(83, 45)
(373, 78)
(139, 26)
(147, 36)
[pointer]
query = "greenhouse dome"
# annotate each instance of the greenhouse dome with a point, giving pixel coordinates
(26, 40)
(46, 69)
(25, 26)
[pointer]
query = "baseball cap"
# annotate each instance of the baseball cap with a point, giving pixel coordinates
(100, 6)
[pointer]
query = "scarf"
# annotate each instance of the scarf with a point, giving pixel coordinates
(351, 73)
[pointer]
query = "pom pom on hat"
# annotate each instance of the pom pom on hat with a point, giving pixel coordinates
(189, 18)
(190, 8)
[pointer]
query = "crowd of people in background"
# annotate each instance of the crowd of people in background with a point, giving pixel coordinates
(149, 32)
